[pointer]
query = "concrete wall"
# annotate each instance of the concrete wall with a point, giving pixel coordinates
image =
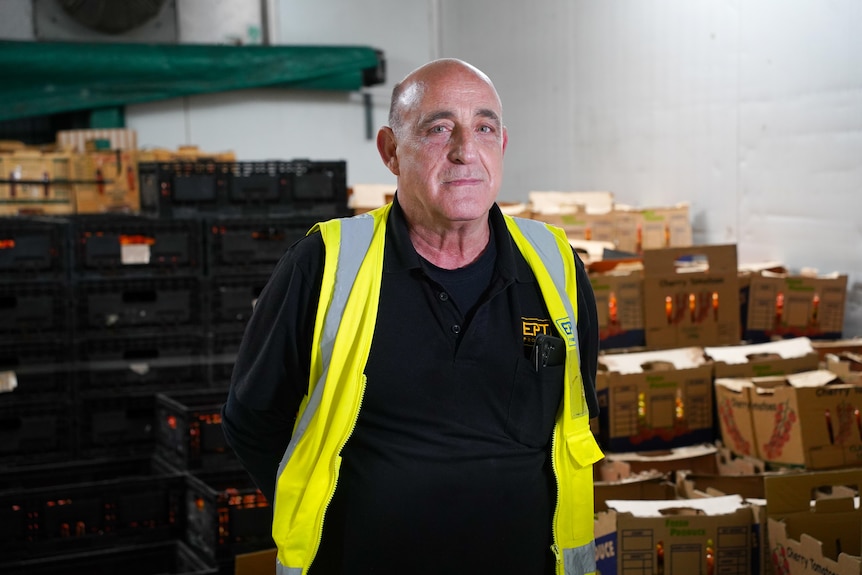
(16, 20)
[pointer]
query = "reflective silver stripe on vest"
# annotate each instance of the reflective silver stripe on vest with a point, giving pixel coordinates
(282, 570)
(580, 560)
(356, 234)
(545, 243)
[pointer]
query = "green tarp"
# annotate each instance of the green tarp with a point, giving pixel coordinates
(40, 78)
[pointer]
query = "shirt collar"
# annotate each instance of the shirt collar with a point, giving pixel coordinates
(400, 255)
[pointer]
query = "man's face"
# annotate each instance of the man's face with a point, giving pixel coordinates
(449, 146)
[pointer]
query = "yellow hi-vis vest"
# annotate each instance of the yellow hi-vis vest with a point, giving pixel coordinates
(343, 330)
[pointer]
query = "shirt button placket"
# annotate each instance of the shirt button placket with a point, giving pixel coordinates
(444, 297)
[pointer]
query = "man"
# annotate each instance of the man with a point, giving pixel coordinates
(429, 357)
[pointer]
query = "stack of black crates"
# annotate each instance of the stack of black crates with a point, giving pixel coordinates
(116, 350)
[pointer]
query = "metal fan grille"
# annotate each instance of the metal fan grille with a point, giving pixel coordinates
(112, 16)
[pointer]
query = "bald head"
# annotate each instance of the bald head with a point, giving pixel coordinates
(409, 91)
(445, 145)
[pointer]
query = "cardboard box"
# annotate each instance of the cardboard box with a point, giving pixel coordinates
(823, 347)
(699, 458)
(624, 484)
(810, 535)
(582, 215)
(81, 141)
(691, 296)
(108, 182)
(363, 198)
(621, 483)
(600, 227)
(639, 229)
(184, 154)
(746, 271)
(764, 359)
(580, 224)
(691, 485)
(782, 306)
(548, 202)
(675, 537)
(605, 533)
(730, 463)
(255, 562)
(742, 476)
(847, 366)
(515, 209)
(628, 229)
(36, 182)
(590, 251)
(655, 400)
(9, 146)
(733, 408)
(677, 221)
(751, 487)
(806, 419)
(619, 302)
(813, 422)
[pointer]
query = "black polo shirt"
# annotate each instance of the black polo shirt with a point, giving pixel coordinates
(447, 470)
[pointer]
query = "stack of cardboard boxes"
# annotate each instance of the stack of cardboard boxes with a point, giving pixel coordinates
(704, 362)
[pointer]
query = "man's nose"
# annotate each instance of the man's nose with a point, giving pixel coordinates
(462, 148)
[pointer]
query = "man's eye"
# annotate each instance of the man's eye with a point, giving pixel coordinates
(438, 129)
(485, 129)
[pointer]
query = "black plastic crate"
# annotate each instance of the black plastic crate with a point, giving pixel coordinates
(276, 187)
(226, 515)
(232, 300)
(115, 423)
(250, 245)
(123, 246)
(170, 188)
(189, 431)
(34, 248)
(36, 431)
(153, 361)
(133, 304)
(76, 470)
(40, 369)
(256, 184)
(35, 309)
(319, 184)
(129, 501)
(171, 557)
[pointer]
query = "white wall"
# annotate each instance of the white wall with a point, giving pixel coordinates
(16, 20)
(749, 110)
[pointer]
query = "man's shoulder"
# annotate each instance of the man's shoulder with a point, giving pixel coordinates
(305, 254)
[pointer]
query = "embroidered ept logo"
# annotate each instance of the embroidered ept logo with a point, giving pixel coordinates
(566, 327)
(533, 326)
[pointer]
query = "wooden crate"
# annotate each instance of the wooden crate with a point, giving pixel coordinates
(111, 181)
(33, 181)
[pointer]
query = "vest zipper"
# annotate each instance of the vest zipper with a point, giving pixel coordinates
(361, 396)
(555, 546)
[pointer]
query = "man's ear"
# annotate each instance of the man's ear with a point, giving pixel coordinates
(387, 146)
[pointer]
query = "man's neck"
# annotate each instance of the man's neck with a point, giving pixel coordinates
(452, 248)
